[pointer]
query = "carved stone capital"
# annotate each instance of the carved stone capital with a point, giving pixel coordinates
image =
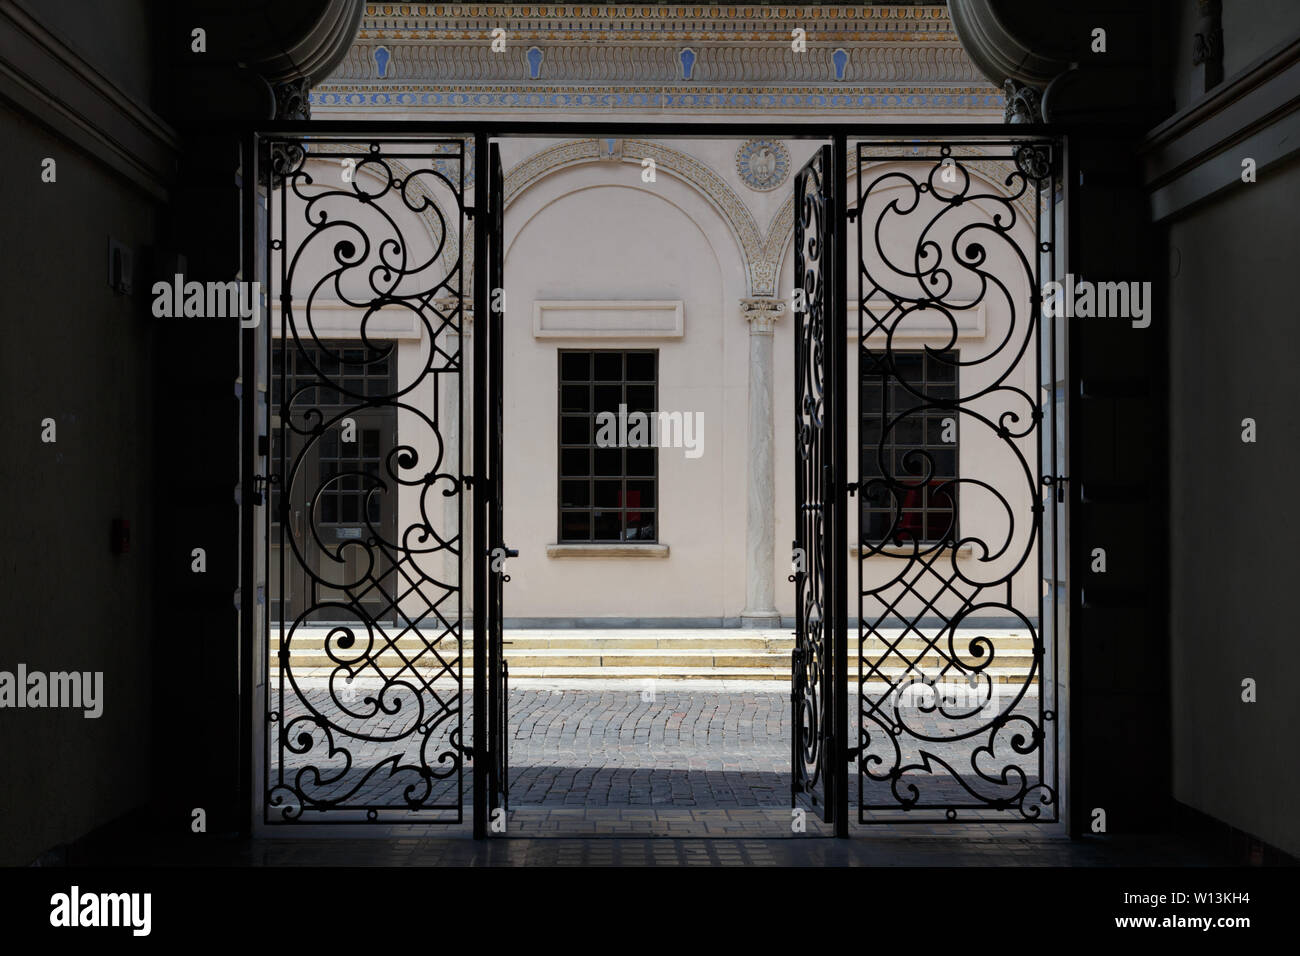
(1024, 103)
(761, 314)
(292, 99)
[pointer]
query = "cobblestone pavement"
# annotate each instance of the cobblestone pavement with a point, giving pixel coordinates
(603, 759)
(619, 747)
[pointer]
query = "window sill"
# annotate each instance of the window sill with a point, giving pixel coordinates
(965, 551)
(612, 549)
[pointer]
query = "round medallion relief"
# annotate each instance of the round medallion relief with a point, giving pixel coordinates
(763, 164)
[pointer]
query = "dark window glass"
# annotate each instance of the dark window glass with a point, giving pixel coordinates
(575, 494)
(607, 490)
(344, 494)
(609, 366)
(575, 366)
(908, 470)
(575, 398)
(641, 366)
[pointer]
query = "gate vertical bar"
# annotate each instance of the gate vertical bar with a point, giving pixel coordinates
(494, 547)
(248, 487)
(479, 555)
(838, 604)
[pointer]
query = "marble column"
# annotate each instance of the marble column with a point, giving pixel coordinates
(760, 494)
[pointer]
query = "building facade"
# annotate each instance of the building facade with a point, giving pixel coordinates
(657, 275)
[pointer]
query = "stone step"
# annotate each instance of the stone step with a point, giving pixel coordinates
(1000, 675)
(720, 656)
(712, 657)
(737, 641)
(665, 654)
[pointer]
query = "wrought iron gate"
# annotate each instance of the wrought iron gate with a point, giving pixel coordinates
(365, 261)
(818, 662)
(957, 709)
(958, 704)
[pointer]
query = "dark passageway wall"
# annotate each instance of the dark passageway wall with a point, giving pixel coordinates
(79, 353)
(1229, 251)
(1235, 354)
(145, 410)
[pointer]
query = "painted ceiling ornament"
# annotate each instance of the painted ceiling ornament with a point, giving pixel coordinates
(763, 164)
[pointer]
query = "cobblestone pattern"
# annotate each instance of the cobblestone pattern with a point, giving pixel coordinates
(698, 760)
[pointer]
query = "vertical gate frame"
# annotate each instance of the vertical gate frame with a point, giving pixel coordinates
(838, 747)
(479, 486)
(838, 134)
(249, 731)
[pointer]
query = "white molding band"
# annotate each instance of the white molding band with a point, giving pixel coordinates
(609, 319)
(338, 320)
(629, 549)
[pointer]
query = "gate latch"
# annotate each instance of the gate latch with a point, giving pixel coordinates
(1059, 482)
(259, 481)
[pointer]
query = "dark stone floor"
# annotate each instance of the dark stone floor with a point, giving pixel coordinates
(607, 776)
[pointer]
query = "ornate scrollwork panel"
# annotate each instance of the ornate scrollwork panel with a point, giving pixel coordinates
(364, 699)
(957, 716)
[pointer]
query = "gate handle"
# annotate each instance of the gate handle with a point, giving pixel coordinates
(512, 552)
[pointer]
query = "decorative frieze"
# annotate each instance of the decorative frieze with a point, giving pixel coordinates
(643, 57)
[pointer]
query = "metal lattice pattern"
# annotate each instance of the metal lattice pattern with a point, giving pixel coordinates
(364, 715)
(947, 729)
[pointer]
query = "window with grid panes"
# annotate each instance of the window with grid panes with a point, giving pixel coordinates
(606, 493)
(317, 377)
(920, 503)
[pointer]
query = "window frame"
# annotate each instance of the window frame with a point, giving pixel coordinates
(888, 380)
(592, 509)
(289, 358)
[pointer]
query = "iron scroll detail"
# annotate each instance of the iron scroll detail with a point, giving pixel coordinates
(957, 710)
(811, 665)
(364, 716)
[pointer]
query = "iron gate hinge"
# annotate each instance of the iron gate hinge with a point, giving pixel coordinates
(851, 214)
(852, 753)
